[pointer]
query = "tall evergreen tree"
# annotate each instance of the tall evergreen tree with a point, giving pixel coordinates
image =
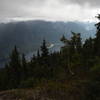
(79, 43)
(88, 53)
(33, 59)
(97, 39)
(66, 50)
(76, 43)
(15, 68)
(88, 48)
(24, 67)
(44, 49)
(38, 54)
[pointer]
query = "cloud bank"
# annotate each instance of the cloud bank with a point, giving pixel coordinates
(55, 10)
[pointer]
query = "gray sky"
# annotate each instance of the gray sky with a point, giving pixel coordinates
(54, 10)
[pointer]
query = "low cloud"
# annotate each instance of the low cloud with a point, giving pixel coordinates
(57, 10)
(91, 3)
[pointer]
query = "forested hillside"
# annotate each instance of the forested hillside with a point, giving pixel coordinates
(71, 73)
(28, 35)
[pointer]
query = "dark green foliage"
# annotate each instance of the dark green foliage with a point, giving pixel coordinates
(38, 54)
(88, 53)
(44, 49)
(97, 39)
(76, 43)
(88, 47)
(14, 69)
(72, 52)
(24, 69)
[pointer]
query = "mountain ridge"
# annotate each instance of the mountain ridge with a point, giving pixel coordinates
(28, 35)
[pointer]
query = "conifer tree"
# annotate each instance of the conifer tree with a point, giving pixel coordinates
(33, 59)
(97, 39)
(79, 43)
(15, 68)
(44, 49)
(67, 51)
(76, 43)
(24, 67)
(38, 54)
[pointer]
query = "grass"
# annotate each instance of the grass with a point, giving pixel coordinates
(75, 90)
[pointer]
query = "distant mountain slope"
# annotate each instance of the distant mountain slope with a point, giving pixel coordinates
(29, 35)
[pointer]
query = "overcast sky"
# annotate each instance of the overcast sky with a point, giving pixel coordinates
(54, 10)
